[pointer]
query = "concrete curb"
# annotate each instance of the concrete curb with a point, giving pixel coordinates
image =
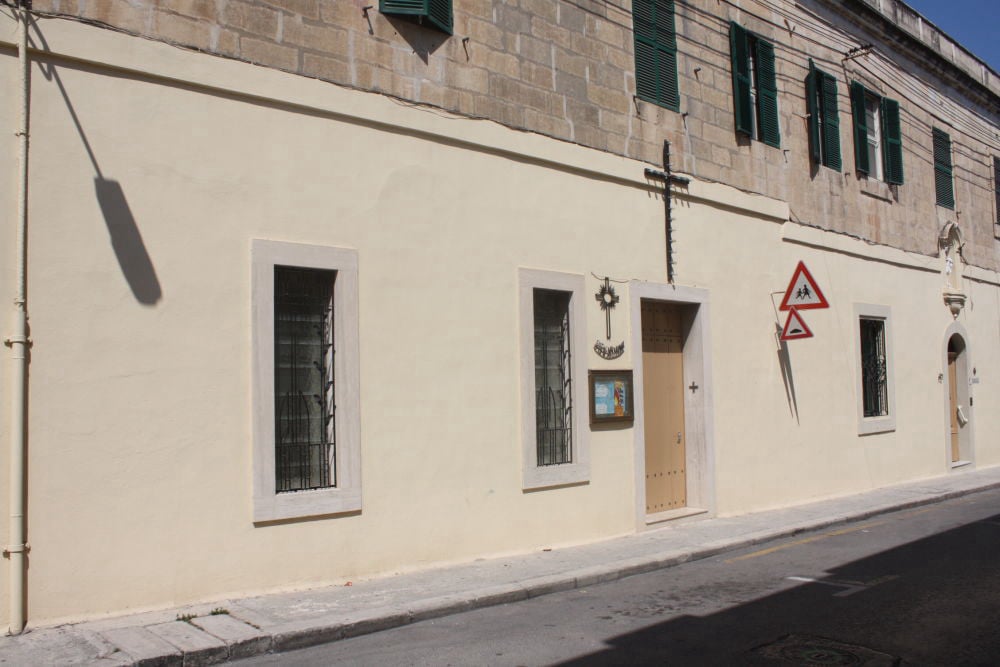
(207, 640)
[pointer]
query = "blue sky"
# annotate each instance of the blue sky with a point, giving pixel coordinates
(972, 23)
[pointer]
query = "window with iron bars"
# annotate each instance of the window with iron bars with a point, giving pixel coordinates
(305, 450)
(874, 368)
(553, 379)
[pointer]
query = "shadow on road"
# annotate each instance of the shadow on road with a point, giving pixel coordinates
(935, 601)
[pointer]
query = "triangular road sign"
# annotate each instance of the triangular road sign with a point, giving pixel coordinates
(795, 327)
(803, 293)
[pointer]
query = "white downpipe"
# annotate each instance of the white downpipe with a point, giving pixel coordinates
(18, 343)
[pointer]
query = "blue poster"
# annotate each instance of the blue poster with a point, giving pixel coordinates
(604, 397)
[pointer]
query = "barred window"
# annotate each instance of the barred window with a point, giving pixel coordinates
(553, 378)
(874, 368)
(555, 444)
(305, 452)
(304, 305)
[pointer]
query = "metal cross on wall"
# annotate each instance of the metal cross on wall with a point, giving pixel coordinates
(608, 300)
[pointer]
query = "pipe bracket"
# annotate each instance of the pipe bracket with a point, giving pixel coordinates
(12, 340)
(16, 549)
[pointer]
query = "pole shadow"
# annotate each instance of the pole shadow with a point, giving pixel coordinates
(126, 241)
(785, 363)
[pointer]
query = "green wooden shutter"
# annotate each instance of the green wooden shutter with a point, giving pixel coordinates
(436, 12)
(892, 141)
(831, 122)
(943, 180)
(656, 52)
(644, 30)
(824, 118)
(440, 14)
(813, 111)
(740, 52)
(860, 128)
(767, 94)
(996, 185)
(666, 39)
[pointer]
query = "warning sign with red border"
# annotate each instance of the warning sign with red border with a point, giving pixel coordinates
(795, 327)
(803, 293)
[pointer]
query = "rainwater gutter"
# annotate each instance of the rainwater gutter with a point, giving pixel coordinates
(16, 549)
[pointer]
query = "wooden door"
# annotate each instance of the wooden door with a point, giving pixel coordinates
(953, 405)
(663, 404)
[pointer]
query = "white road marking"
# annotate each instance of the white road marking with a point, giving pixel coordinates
(850, 587)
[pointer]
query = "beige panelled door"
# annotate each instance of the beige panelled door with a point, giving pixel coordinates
(663, 404)
(953, 405)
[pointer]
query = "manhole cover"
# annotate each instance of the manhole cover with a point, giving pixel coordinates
(805, 650)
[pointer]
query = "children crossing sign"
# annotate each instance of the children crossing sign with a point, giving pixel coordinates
(803, 293)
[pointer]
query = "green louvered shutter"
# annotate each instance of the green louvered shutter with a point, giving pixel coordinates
(740, 52)
(767, 94)
(436, 12)
(860, 128)
(824, 118)
(831, 121)
(666, 38)
(996, 185)
(440, 14)
(943, 180)
(813, 111)
(656, 52)
(892, 141)
(644, 29)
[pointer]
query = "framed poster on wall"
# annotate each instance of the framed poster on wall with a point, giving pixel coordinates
(611, 397)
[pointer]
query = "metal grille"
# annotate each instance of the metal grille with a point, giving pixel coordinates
(303, 379)
(875, 395)
(553, 383)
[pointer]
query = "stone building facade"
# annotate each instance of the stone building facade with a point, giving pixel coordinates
(489, 236)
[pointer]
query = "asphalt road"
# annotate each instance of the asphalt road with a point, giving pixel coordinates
(917, 587)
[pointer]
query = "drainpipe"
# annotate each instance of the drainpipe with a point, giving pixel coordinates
(18, 342)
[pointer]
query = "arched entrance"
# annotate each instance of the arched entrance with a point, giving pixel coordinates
(958, 398)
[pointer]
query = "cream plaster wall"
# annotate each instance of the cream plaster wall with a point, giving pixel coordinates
(140, 425)
(789, 436)
(140, 457)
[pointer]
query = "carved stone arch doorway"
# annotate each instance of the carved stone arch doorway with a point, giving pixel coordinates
(958, 399)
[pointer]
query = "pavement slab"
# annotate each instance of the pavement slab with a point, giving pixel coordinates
(198, 647)
(242, 639)
(145, 648)
(59, 646)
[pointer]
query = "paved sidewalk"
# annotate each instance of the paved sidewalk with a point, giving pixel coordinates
(287, 621)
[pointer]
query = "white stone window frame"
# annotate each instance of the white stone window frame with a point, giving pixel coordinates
(268, 505)
(882, 423)
(534, 476)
